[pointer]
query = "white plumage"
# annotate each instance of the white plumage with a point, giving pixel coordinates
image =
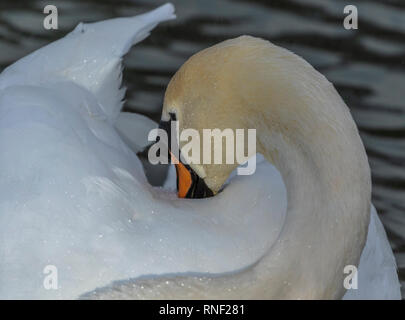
(74, 195)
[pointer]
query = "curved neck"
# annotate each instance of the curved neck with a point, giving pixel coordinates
(324, 166)
(305, 129)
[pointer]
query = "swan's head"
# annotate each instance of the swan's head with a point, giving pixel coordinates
(249, 83)
(209, 92)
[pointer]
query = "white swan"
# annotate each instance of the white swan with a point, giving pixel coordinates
(73, 194)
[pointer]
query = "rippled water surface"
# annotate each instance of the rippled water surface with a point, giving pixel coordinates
(367, 66)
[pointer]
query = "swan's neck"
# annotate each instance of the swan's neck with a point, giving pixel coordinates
(324, 166)
(305, 129)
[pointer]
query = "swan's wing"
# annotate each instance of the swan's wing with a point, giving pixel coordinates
(72, 196)
(377, 272)
(90, 56)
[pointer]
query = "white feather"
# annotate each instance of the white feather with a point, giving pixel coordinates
(73, 194)
(90, 56)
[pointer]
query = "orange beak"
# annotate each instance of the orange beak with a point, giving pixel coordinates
(184, 181)
(189, 184)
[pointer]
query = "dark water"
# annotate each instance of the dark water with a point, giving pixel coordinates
(367, 66)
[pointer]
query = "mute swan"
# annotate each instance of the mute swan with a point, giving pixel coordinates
(73, 195)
